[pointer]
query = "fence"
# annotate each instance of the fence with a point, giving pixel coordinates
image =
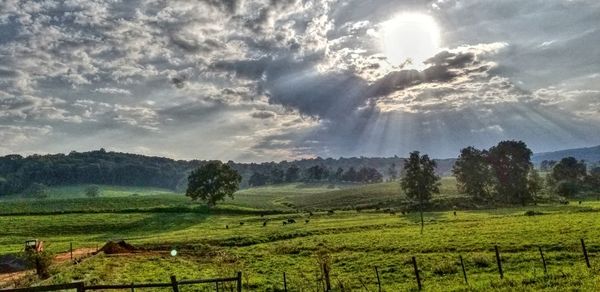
(174, 284)
(324, 280)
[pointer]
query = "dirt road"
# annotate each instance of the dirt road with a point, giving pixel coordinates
(11, 278)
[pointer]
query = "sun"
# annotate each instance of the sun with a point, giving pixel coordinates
(410, 39)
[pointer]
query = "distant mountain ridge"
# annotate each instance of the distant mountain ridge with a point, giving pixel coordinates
(589, 154)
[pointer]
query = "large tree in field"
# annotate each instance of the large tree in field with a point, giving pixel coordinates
(419, 181)
(473, 173)
(568, 176)
(213, 182)
(510, 162)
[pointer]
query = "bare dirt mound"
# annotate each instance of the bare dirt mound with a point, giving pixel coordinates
(117, 247)
(11, 264)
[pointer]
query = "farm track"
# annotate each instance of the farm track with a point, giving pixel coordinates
(15, 277)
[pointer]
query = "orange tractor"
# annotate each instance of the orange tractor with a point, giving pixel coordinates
(34, 245)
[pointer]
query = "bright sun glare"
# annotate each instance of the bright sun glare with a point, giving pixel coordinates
(414, 37)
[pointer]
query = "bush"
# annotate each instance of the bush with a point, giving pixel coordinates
(37, 190)
(533, 213)
(40, 261)
(92, 191)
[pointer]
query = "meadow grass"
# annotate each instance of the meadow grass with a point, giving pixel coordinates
(356, 242)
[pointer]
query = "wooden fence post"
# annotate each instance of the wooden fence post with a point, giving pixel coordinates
(414, 261)
(71, 249)
(80, 287)
(462, 264)
(239, 281)
(543, 260)
(499, 262)
(378, 280)
(174, 283)
(132, 287)
(326, 275)
(585, 254)
(284, 283)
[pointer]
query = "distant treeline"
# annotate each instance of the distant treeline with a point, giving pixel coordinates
(17, 173)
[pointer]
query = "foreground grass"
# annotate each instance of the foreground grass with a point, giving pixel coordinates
(354, 242)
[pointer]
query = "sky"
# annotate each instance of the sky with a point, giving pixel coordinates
(267, 80)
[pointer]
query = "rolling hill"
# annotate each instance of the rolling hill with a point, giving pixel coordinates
(589, 154)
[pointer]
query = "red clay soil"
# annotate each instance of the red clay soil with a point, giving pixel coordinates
(117, 247)
(77, 254)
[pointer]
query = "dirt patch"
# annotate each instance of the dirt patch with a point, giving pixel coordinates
(78, 254)
(117, 247)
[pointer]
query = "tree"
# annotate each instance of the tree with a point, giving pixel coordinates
(316, 173)
(277, 175)
(510, 162)
(339, 174)
(568, 176)
(420, 181)
(37, 190)
(593, 180)
(213, 182)
(292, 174)
(392, 172)
(547, 165)
(258, 179)
(369, 175)
(535, 183)
(350, 175)
(473, 173)
(92, 191)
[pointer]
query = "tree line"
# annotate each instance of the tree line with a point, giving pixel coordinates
(30, 174)
(504, 173)
(316, 174)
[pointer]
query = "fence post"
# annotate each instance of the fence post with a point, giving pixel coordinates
(543, 260)
(71, 249)
(174, 283)
(326, 274)
(414, 261)
(239, 281)
(80, 286)
(284, 283)
(132, 287)
(462, 264)
(585, 254)
(499, 262)
(378, 280)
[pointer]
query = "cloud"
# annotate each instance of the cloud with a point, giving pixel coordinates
(13, 138)
(110, 90)
(266, 79)
(263, 115)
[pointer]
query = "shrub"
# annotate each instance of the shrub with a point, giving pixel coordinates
(533, 213)
(37, 191)
(40, 261)
(92, 191)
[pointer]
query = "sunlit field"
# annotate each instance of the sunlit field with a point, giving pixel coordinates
(215, 243)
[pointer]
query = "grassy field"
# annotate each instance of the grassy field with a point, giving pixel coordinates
(288, 197)
(78, 191)
(352, 242)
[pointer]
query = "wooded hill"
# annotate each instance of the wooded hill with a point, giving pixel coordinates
(17, 173)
